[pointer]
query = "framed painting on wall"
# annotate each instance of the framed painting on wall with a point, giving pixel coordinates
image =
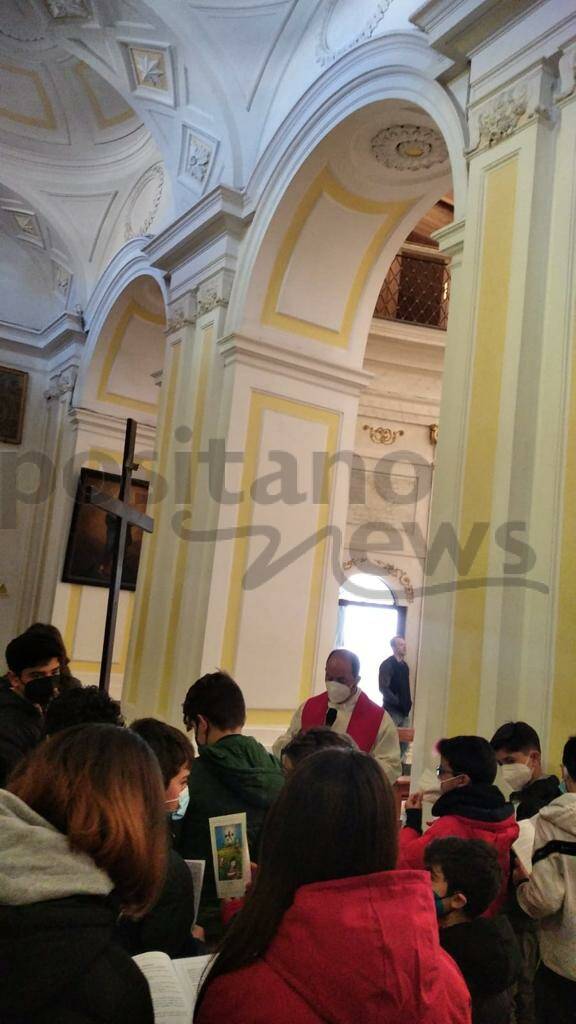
(92, 533)
(13, 388)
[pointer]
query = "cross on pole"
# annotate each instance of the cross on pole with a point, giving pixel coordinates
(125, 515)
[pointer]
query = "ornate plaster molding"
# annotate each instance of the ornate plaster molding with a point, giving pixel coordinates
(567, 73)
(387, 570)
(526, 100)
(153, 174)
(59, 9)
(383, 435)
(409, 147)
(182, 313)
(325, 54)
(61, 383)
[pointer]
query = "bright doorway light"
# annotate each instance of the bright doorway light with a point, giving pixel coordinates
(367, 621)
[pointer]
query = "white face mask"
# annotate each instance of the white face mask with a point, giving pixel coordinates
(517, 775)
(337, 692)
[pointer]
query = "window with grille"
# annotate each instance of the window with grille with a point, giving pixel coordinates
(416, 290)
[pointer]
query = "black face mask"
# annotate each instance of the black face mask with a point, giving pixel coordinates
(42, 691)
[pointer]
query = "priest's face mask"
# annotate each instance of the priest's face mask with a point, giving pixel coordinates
(340, 679)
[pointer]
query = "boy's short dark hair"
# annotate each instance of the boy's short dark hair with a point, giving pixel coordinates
(82, 706)
(514, 737)
(310, 741)
(470, 755)
(218, 698)
(569, 757)
(470, 866)
(172, 748)
(31, 650)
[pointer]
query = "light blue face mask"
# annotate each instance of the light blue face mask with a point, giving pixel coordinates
(183, 801)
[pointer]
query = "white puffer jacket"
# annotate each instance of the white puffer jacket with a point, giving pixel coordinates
(550, 895)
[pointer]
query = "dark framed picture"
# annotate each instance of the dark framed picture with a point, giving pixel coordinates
(13, 388)
(93, 531)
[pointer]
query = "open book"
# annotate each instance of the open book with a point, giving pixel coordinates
(524, 845)
(173, 984)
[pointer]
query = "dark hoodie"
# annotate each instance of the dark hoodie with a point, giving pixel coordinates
(21, 728)
(487, 953)
(477, 811)
(233, 775)
(535, 796)
(58, 960)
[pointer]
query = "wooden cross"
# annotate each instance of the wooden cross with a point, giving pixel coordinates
(125, 515)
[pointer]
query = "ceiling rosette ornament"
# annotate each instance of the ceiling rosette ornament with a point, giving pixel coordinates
(409, 147)
(334, 39)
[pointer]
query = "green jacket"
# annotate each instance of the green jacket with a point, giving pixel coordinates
(235, 774)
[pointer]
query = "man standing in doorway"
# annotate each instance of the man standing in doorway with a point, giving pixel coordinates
(345, 708)
(394, 683)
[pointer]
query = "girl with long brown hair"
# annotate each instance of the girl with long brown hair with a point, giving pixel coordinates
(82, 837)
(331, 932)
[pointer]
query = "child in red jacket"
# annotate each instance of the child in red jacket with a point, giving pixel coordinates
(470, 806)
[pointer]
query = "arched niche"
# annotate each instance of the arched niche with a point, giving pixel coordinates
(318, 253)
(123, 375)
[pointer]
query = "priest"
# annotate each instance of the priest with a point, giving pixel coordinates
(345, 708)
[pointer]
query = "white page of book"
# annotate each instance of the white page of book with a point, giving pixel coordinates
(173, 1004)
(189, 971)
(524, 845)
(196, 869)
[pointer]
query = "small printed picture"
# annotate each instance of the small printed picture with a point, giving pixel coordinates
(229, 847)
(230, 854)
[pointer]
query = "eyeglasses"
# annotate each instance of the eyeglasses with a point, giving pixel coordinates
(443, 773)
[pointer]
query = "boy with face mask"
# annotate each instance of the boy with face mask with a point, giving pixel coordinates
(31, 682)
(470, 807)
(517, 749)
(466, 877)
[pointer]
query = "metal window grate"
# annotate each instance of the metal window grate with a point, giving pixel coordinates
(416, 290)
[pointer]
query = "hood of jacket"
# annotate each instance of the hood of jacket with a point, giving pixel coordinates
(478, 801)
(36, 862)
(367, 949)
(44, 947)
(561, 813)
(245, 767)
(486, 952)
(14, 702)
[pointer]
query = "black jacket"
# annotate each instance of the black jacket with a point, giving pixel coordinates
(487, 953)
(394, 685)
(21, 728)
(535, 796)
(60, 965)
(166, 928)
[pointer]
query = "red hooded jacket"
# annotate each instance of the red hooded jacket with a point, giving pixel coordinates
(353, 950)
(476, 811)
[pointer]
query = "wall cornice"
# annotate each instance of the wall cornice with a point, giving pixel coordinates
(221, 212)
(246, 351)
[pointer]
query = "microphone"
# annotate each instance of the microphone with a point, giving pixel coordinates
(330, 717)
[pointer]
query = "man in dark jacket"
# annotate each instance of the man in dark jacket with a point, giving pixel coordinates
(33, 667)
(232, 773)
(394, 683)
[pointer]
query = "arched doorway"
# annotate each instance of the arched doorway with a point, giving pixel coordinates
(368, 618)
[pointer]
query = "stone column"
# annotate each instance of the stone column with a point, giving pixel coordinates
(488, 614)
